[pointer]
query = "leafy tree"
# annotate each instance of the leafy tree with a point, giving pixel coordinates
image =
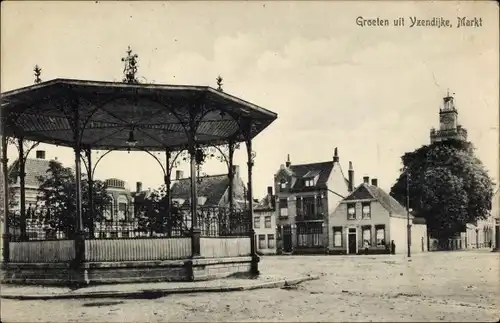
(447, 185)
(154, 215)
(57, 195)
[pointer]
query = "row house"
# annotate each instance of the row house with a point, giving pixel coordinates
(305, 195)
(370, 220)
(212, 190)
(484, 233)
(264, 224)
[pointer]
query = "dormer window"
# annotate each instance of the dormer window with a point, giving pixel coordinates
(309, 182)
(283, 184)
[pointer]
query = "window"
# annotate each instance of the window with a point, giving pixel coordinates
(309, 234)
(262, 241)
(367, 236)
(108, 211)
(283, 207)
(380, 235)
(122, 211)
(351, 211)
(256, 222)
(337, 236)
(301, 236)
(319, 204)
(366, 210)
(267, 222)
(283, 184)
(309, 182)
(270, 241)
(308, 206)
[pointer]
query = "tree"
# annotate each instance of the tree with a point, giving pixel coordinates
(57, 195)
(155, 216)
(447, 184)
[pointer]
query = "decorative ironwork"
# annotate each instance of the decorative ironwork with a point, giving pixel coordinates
(222, 222)
(38, 73)
(40, 225)
(219, 80)
(130, 69)
(148, 220)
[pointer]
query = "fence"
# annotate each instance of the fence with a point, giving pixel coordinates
(148, 220)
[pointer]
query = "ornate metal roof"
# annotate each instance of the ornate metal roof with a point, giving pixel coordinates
(101, 115)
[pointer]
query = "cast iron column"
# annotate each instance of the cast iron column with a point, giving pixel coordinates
(6, 231)
(253, 251)
(195, 228)
(22, 187)
(79, 228)
(90, 176)
(167, 177)
(231, 177)
(166, 180)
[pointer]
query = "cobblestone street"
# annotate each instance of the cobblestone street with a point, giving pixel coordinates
(440, 286)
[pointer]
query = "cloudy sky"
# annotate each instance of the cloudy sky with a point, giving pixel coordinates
(373, 92)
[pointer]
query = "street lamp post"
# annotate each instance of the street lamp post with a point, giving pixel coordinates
(408, 225)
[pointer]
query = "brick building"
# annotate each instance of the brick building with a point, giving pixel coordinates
(370, 217)
(306, 194)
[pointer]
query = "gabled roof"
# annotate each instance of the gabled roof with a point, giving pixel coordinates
(366, 191)
(35, 168)
(322, 169)
(264, 204)
(212, 187)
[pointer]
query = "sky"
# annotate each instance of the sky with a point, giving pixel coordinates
(373, 92)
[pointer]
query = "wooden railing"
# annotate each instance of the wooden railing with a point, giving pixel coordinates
(110, 250)
(225, 247)
(42, 251)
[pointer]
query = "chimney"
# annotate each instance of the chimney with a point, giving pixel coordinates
(288, 163)
(351, 177)
(179, 174)
(138, 187)
(374, 182)
(271, 196)
(40, 154)
(366, 179)
(335, 155)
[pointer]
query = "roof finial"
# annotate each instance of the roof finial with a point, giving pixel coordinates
(335, 152)
(219, 80)
(350, 165)
(448, 92)
(288, 162)
(38, 72)
(130, 69)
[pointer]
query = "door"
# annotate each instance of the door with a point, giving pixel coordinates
(287, 238)
(352, 243)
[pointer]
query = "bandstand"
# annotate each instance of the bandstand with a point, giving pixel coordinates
(92, 115)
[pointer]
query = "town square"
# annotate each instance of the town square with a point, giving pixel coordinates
(221, 169)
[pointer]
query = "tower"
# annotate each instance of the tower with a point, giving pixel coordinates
(449, 128)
